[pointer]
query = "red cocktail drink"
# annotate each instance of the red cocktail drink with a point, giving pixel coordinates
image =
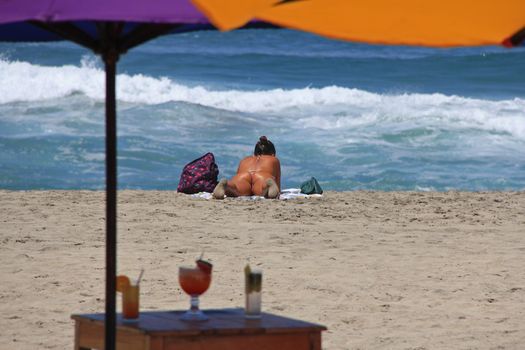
(195, 281)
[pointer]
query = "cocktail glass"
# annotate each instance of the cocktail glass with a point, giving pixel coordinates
(194, 281)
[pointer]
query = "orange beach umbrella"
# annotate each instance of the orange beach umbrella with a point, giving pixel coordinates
(441, 23)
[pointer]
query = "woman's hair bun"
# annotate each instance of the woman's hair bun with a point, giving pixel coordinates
(264, 146)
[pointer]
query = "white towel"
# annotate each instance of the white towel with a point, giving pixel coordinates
(286, 194)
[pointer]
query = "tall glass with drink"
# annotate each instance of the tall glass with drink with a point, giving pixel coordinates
(253, 291)
(130, 290)
(130, 302)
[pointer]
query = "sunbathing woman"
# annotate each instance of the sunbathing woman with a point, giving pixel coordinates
(258, 175)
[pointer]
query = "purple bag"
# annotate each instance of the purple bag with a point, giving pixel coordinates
(199, 175)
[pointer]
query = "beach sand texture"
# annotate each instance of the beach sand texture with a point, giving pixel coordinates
(382, 270)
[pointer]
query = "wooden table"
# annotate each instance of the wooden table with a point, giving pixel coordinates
(227, 329)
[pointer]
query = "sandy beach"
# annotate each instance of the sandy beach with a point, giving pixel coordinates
(381, 270)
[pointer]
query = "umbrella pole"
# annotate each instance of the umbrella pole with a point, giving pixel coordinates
(110, 61)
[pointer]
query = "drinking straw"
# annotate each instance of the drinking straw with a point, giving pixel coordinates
(140, 276)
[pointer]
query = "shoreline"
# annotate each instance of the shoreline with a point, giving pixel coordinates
(382, 270)
(174, 190)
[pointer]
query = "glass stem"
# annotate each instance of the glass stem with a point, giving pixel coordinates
(194, 303)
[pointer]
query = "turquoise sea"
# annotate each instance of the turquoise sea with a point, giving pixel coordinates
(355, 116)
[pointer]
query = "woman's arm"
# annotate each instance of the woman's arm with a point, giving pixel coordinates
(243, 165)
(277, 172)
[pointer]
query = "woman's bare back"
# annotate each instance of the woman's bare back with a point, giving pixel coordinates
(253, 173)
(256, 175)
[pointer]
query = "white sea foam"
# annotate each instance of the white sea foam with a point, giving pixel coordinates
(322, 108)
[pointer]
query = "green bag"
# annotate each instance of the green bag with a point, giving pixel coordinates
(311, 187)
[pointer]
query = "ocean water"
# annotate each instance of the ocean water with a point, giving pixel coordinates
(354, 116)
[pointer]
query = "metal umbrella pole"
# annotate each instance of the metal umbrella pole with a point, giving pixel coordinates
(110, 62)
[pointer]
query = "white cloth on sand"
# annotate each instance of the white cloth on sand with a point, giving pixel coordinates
(286, 194)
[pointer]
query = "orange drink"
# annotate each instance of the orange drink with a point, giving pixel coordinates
(130, 302)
